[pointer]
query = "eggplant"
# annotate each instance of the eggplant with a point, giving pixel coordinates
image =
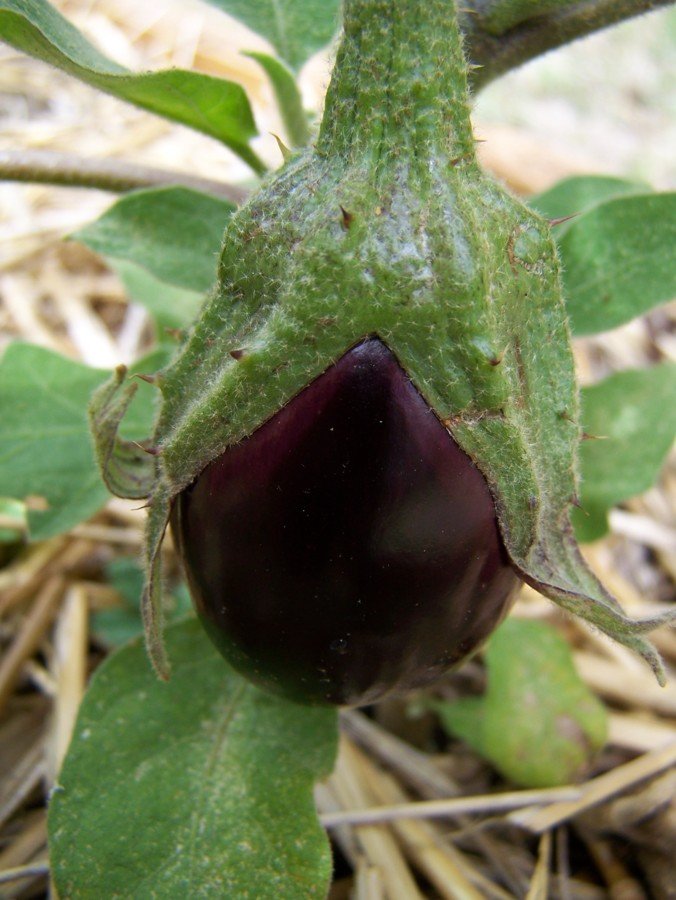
(382, 285)
(348, 548)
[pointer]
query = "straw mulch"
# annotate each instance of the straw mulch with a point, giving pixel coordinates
(612, 836)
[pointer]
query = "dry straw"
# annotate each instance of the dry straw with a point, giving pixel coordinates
(407, 822)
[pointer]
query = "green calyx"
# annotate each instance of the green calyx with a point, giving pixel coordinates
(388, 227)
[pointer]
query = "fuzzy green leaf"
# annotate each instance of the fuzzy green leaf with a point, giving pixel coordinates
(14, 521)
(119, 624)
(575, 195)
(295, 28)
(201, 787)
(213, 106)
(634, 415)
(171, 307)
(288, 98)
(538, 723)
(174, 233)
(619, 261)
(45, 447)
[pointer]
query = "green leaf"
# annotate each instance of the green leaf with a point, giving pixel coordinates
(174, 233)
(14, 521)
(120, 624)
(201, 787)
(45, 448)
(575, 195)
(171, 307)
(288, 98)
(295, 28)
(619, 261)
(213, 106)
(538, 723)
(635, 415)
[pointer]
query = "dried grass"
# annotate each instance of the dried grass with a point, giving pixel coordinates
(60, 296)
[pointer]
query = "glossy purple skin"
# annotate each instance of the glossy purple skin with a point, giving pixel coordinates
(348, 548)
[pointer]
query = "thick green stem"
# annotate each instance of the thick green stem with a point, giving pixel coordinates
(501, 35)
(401, 83)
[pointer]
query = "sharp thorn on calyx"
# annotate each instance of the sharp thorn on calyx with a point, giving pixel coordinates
(498, 357)
(149, 379)
(177, 333)
(347, 218)
(562, 219)
(594, 437)
(151, 451)
(283, 149)
(566, 416)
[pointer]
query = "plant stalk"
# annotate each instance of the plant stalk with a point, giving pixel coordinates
(497, 52)
(116, 176)
(399, 86)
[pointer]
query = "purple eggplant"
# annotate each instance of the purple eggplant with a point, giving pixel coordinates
(339, 542)
(348, 548)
